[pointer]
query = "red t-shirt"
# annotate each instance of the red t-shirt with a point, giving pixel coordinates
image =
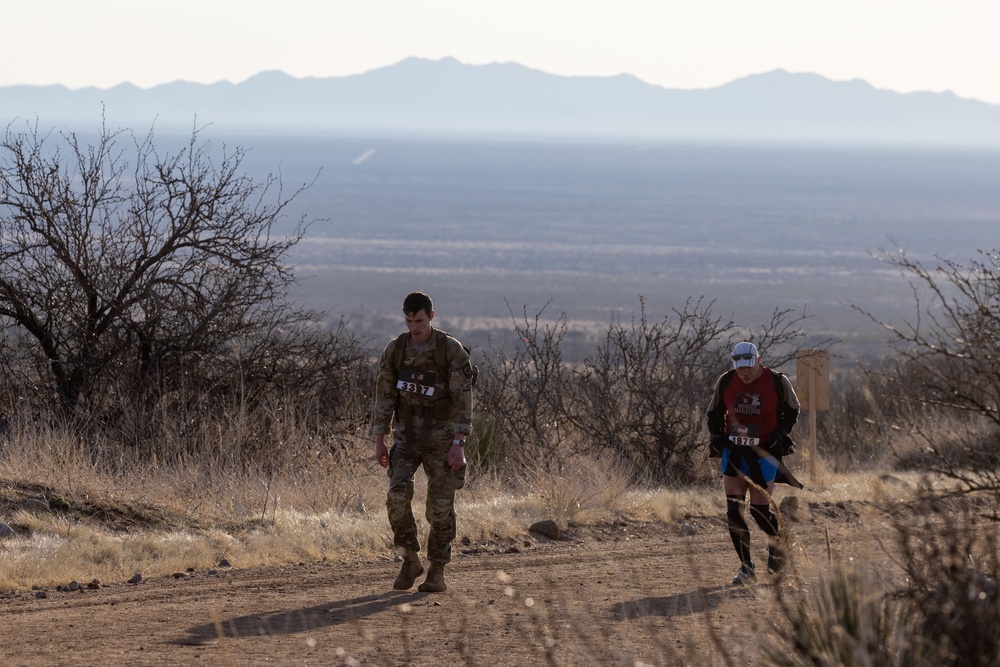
(751, 409)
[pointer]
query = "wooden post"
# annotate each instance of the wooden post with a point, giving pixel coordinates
(812, 375)
(812, 426)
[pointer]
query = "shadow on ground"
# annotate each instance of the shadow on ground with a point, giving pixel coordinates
(291, 621)
(695, 602)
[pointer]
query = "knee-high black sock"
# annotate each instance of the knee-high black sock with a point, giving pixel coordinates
(765, 518)
(738, 529)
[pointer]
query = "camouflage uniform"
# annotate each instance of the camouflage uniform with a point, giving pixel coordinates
(424, 423)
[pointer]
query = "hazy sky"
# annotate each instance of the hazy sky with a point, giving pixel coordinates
(902, 45)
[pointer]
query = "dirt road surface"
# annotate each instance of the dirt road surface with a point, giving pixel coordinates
(625, 593)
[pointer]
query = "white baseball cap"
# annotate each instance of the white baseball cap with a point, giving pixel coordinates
(745, 354)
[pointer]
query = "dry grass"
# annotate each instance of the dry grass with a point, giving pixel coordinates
(87, 522)
(78, 521)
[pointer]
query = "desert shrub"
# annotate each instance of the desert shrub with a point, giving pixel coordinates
(521, 391)
(946, 361)
(144, 290)
(845, 619)
(862, 428)
(952, 560)
(944, 611)
(633, 397)
(486, 449)
(640, 396)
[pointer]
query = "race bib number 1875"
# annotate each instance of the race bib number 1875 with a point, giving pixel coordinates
(745, 435)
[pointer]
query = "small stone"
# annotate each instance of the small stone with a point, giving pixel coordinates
(5, 530)
(547, 528)
(94, 584)
(74, 586)
(892, 480)
(687, 530)
(36, 505)
(136, 578)
(224, 563)
(179, 575)
(41, 595)
(789, 508)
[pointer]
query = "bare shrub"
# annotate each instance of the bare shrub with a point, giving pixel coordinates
(140, 287)
(521, 392)
(948, 361)
(944, 611)
(634, 396)
(846, 619)
(864, 423)
(640, 396)
(952, 559)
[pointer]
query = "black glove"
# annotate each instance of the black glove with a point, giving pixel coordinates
(716, 445)
(788, 447)
(780, 444)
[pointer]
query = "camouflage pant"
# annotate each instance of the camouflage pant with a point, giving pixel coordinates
(442, 482)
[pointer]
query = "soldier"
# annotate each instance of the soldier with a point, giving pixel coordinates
(425, 380)
(750, 415)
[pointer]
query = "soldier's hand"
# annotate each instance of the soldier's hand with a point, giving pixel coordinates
(456, 455)
(382, 454)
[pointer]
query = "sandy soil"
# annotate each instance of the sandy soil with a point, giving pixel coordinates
(627, 593)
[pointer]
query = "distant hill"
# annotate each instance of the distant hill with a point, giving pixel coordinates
(446, 97)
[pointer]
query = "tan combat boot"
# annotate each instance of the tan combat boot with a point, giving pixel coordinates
(408, 573)
(434, 583)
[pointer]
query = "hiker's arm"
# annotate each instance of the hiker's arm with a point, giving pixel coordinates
(788, 413)
(385, 404)
(716, 412)
(460, 384)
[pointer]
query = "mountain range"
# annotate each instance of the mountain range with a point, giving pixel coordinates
(445, 97)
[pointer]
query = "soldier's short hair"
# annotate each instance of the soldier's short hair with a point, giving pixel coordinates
(417, 301)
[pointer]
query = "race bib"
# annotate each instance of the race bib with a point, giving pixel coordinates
(745, 435)
(417, 382)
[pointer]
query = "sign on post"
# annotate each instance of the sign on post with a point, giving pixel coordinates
(812, 386)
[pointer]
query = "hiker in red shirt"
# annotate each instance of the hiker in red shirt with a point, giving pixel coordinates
(750, 415)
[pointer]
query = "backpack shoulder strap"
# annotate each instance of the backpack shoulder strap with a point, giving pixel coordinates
(779, 385)
(399, 350)
(441, 351)
(727, 377)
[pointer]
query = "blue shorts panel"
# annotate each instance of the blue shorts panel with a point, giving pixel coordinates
(740, 464)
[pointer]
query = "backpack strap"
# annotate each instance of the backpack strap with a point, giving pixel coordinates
(399, 350)
(402, 407)
(779, 386)
(441, 357)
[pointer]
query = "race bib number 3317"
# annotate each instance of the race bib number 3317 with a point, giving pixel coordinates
(415, 382)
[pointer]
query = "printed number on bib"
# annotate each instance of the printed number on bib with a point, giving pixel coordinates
(745, 435)
(415, 382)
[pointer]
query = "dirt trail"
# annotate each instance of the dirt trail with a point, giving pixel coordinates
(626, 593)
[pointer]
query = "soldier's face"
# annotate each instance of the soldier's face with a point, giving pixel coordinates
(419, 325)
